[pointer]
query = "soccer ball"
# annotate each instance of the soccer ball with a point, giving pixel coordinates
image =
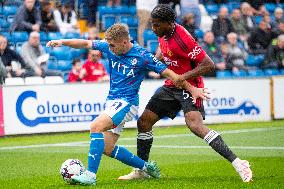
(71, 167)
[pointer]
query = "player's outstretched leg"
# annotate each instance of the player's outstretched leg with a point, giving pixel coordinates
(122, 154)
(95, 153)
(144, 143)
(195, 124)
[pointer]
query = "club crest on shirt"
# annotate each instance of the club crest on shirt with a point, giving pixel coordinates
(170, 53)
(134, 62)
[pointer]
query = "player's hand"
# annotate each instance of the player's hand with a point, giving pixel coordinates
(54, 43)
(202, 93)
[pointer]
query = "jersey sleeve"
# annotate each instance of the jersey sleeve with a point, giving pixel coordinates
(194, 51)
(153, 64)
(100, 45)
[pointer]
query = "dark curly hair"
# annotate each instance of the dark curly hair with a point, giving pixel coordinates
(164, 12)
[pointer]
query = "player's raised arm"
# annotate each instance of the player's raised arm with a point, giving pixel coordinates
(74, 43)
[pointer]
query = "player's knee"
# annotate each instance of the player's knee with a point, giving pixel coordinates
(96, 129)
(144, 125)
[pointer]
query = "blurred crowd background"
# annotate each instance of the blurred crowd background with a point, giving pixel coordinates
(243, 38)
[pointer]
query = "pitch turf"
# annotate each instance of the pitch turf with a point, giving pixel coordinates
(185, 161)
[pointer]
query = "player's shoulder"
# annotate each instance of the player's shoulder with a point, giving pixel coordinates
(180, 30)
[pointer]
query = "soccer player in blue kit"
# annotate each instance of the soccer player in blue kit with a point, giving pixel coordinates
(128, 64)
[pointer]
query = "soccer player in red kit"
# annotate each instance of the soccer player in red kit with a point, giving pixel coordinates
(185, 57)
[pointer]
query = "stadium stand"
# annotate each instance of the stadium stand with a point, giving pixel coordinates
(34, 80)
(14, 81)
(53, 80)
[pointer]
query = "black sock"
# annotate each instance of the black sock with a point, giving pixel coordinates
(216, 142)
(144, 144)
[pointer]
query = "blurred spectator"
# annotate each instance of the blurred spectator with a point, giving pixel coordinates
(260, 38)
(93, 34)
(34, 55)
(278, 16)
(93, 70)
(275, 54)
(27, 18)
(192, 7)
(279, 29)
(92, 10)
(48, 22)
(171, 3)
(238, 23)
(3, 72)
(222, 25)
(267, 19)
(66, 19)
(74, 74)
(236, 56)
(12, 61)
(213, 50)
(144, 9)
(189, 24)
(114, 3)
(247, 16)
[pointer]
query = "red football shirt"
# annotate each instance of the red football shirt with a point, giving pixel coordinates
(73, 76)
(94, 71)
(182, 54)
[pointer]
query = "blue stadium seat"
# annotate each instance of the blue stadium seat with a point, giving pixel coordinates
(52, 65)
(256, 73)
(43, 36)
(64, 65)
(132, 10)
(10, 18)
(131, 21)
(103, 10)
(7, 35)
(254, 60)
(133, 33)
(70, 35)
(108, 20)
(199, 34)
(282, 71)
(149, 35)
(20, 36)
(54, 35)
(152, 45)
(257, 19)
(75, 53)
(212, 9)
(61, 53)
(19, 46)
(120, 10)
(223, 74)
(4, 25)
(270, 7)
(9, 10)
(239, 73)
(271, 72)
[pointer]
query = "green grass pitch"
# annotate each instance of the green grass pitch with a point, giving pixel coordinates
(185, 160)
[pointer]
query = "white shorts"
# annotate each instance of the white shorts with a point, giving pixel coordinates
(120, 112)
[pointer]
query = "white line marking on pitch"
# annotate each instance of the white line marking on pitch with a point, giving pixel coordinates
(84, 143)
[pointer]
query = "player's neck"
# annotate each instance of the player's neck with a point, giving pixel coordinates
(171, 33)
(128, 47)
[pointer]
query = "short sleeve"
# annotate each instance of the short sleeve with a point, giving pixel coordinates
(100, 45)
(194, 51)
(153, 64)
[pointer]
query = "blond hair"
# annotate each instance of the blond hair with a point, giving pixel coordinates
(117, 32)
